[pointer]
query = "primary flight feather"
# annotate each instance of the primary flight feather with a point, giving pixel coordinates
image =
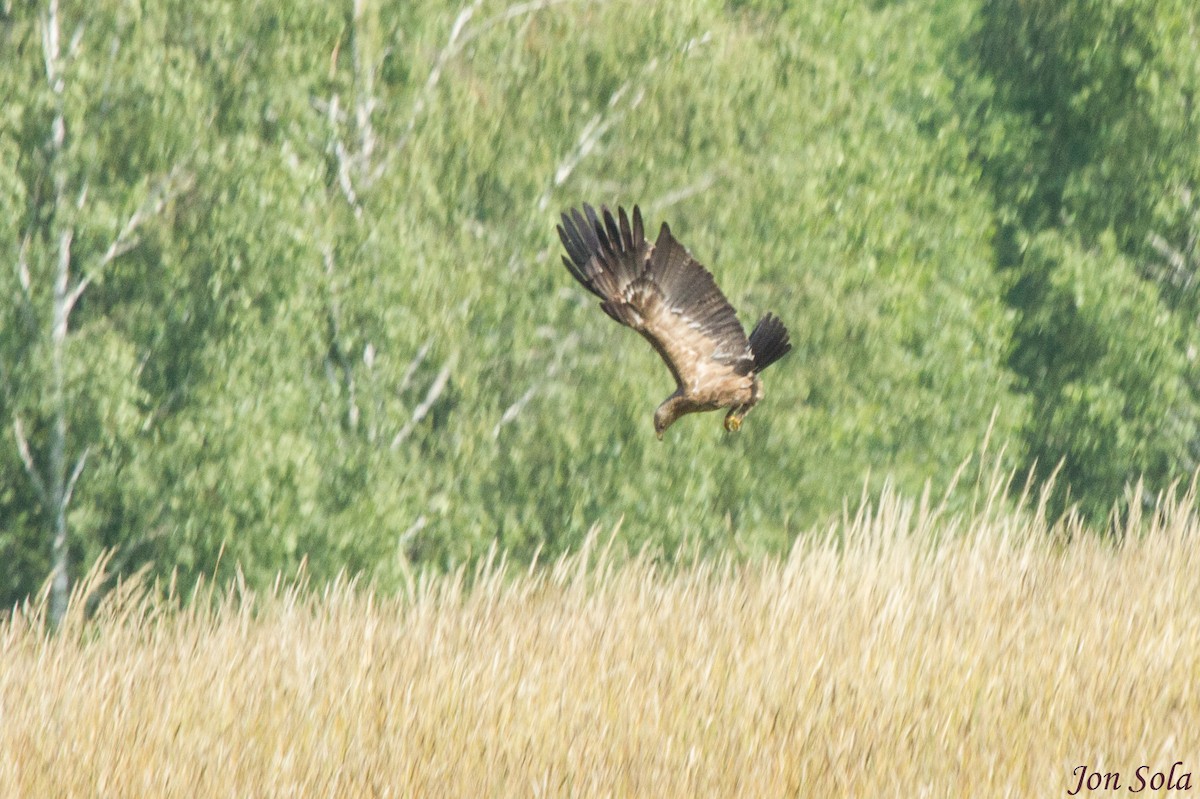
(666, 295)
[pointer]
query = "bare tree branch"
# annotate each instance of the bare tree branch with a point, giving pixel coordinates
(74, 478)
(336, 351)
(421, 411)
(23, 266)
(459, 37)
(355, 170)
(509, 14)
(678, 195)
(62, 308)
(343, 157)
(50, 483)
(31, 469)
(50, 49)
(359, 170)
(1180, 267)
(365, 68)
(175, 183)
(600, 123)
(596, 127)
(447, 52)
(413, 365)
(417, 526)
(513, 411)
(55, 483)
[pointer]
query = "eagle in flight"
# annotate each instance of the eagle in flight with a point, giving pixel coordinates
(666, 295)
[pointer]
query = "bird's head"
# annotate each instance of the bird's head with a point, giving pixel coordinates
(664, 417)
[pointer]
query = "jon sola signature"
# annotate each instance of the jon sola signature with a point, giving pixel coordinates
(1175, 779)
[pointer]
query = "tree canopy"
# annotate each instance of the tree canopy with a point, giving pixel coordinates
(280, 280)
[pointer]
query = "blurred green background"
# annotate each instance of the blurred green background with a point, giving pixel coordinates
(286, 272)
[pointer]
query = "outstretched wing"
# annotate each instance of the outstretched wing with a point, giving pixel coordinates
(660, 291)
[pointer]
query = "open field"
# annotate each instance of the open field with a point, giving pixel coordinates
(871, 662)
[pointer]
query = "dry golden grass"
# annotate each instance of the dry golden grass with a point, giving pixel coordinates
(909, 653)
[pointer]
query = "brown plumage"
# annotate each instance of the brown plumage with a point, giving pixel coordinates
(666, 295)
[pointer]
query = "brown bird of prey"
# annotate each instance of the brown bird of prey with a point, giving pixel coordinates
(666, 295)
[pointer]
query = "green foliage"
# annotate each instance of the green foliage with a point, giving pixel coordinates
(1087, 131)
(1114, 407)
(1094, 100)
(344, 335)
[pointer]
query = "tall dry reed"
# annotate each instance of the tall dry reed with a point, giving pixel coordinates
(906, 652)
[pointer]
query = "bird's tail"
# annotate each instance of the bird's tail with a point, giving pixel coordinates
(769, 342)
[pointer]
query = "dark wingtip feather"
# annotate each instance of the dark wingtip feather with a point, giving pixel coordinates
(567, 243)
(592, 218)
(577, 257)
(604, 254)
(615, 242)
(639, 234)
(578, 275)
(769, 342)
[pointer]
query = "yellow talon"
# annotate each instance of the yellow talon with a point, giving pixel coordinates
(733, 424)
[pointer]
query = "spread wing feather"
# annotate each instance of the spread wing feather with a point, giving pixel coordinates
(769, 342)
(660, 291)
